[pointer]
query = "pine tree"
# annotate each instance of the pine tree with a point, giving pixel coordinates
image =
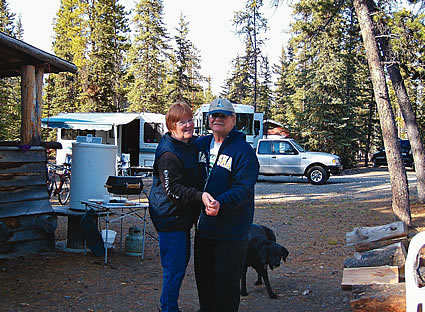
(265, 98)
(325, 97)
(147, 58)
(279, 110)
(185, 77)
(250, 23)
(7, 19)
(208, 94)
(10, 91)
(63, 91)
(105, 66)
(239, 86)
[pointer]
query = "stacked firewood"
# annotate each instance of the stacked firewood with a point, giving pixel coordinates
(375, 273)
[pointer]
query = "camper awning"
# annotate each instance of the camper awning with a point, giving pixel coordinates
(89, 121)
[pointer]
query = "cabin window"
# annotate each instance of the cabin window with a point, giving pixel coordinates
(152, 132)
(71, 134)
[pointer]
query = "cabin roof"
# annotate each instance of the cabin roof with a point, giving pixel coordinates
(96, 121)
(15, 53)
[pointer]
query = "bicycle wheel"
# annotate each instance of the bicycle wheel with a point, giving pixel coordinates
(63, 194)
(50, 184)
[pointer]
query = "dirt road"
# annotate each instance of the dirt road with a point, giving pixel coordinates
(310, 221)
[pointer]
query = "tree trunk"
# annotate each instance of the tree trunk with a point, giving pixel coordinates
(398, 177)
(412, 129)
(369, 130)
(407, 112)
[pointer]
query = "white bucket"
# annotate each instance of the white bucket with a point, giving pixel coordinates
(111, 238)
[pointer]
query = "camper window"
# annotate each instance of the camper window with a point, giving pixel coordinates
(152, 132)
(244, 123)
(111, 133)
(71, 134)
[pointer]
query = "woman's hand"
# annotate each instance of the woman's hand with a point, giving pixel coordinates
(212, 206)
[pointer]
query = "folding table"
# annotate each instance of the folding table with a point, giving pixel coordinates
(113, 212)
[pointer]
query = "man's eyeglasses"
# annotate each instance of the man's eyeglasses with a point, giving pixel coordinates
(183, 123)
(219, 115)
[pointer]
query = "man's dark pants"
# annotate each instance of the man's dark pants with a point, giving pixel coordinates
(218, 267)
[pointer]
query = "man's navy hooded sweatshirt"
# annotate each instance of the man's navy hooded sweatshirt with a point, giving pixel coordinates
(231, 182)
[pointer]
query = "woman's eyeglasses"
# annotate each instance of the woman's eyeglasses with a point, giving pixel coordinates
(183, 123)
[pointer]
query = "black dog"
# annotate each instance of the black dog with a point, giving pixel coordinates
(262, 251)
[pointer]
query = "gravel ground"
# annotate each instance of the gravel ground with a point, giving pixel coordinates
(310, 221)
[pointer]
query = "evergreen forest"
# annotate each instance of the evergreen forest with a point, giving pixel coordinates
(320, 90)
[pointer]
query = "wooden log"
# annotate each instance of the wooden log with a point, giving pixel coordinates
(376, 233)
(52, 145)
(75, 239)
(46, 145)
(22, 193)
(25, 222)
(22, 167)
(46, 223)
(4, 232)
(9, 180)
(393, 255)
(379, 298)
(26, 236)
(29, 133)
(362, 247)
(39, 73)
(24, 208)
(13, 250)
(369, 275)
(16, 155)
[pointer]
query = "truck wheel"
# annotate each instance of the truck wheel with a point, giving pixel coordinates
(317, 175)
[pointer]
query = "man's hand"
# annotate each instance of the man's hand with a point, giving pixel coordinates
(212, 206)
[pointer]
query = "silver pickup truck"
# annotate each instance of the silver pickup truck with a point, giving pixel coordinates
(286, 157)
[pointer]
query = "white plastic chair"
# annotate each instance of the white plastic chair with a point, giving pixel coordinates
(125, 158)
(415, 296)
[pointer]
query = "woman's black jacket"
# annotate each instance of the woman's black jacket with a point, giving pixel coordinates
(175, 197)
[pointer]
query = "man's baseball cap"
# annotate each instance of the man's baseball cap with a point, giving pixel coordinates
(221, 106)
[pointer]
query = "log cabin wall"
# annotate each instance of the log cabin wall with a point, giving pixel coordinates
(27, 223)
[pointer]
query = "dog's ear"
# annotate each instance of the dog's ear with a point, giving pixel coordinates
(285, 253)
(263, 255)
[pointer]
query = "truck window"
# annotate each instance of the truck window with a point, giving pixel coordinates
(287, 149)
(264, 147)
(152, 132)
(71, 134)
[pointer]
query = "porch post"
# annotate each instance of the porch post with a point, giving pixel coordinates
(31, 101)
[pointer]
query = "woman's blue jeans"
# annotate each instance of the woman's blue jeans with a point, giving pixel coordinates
(175, 253)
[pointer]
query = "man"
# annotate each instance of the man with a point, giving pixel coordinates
(222, 233)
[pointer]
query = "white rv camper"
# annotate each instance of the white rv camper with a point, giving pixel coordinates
(247, 121)
(136, 134)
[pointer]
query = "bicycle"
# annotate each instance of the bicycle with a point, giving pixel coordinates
(59, 182)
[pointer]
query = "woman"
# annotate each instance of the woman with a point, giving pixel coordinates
(175, 199)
